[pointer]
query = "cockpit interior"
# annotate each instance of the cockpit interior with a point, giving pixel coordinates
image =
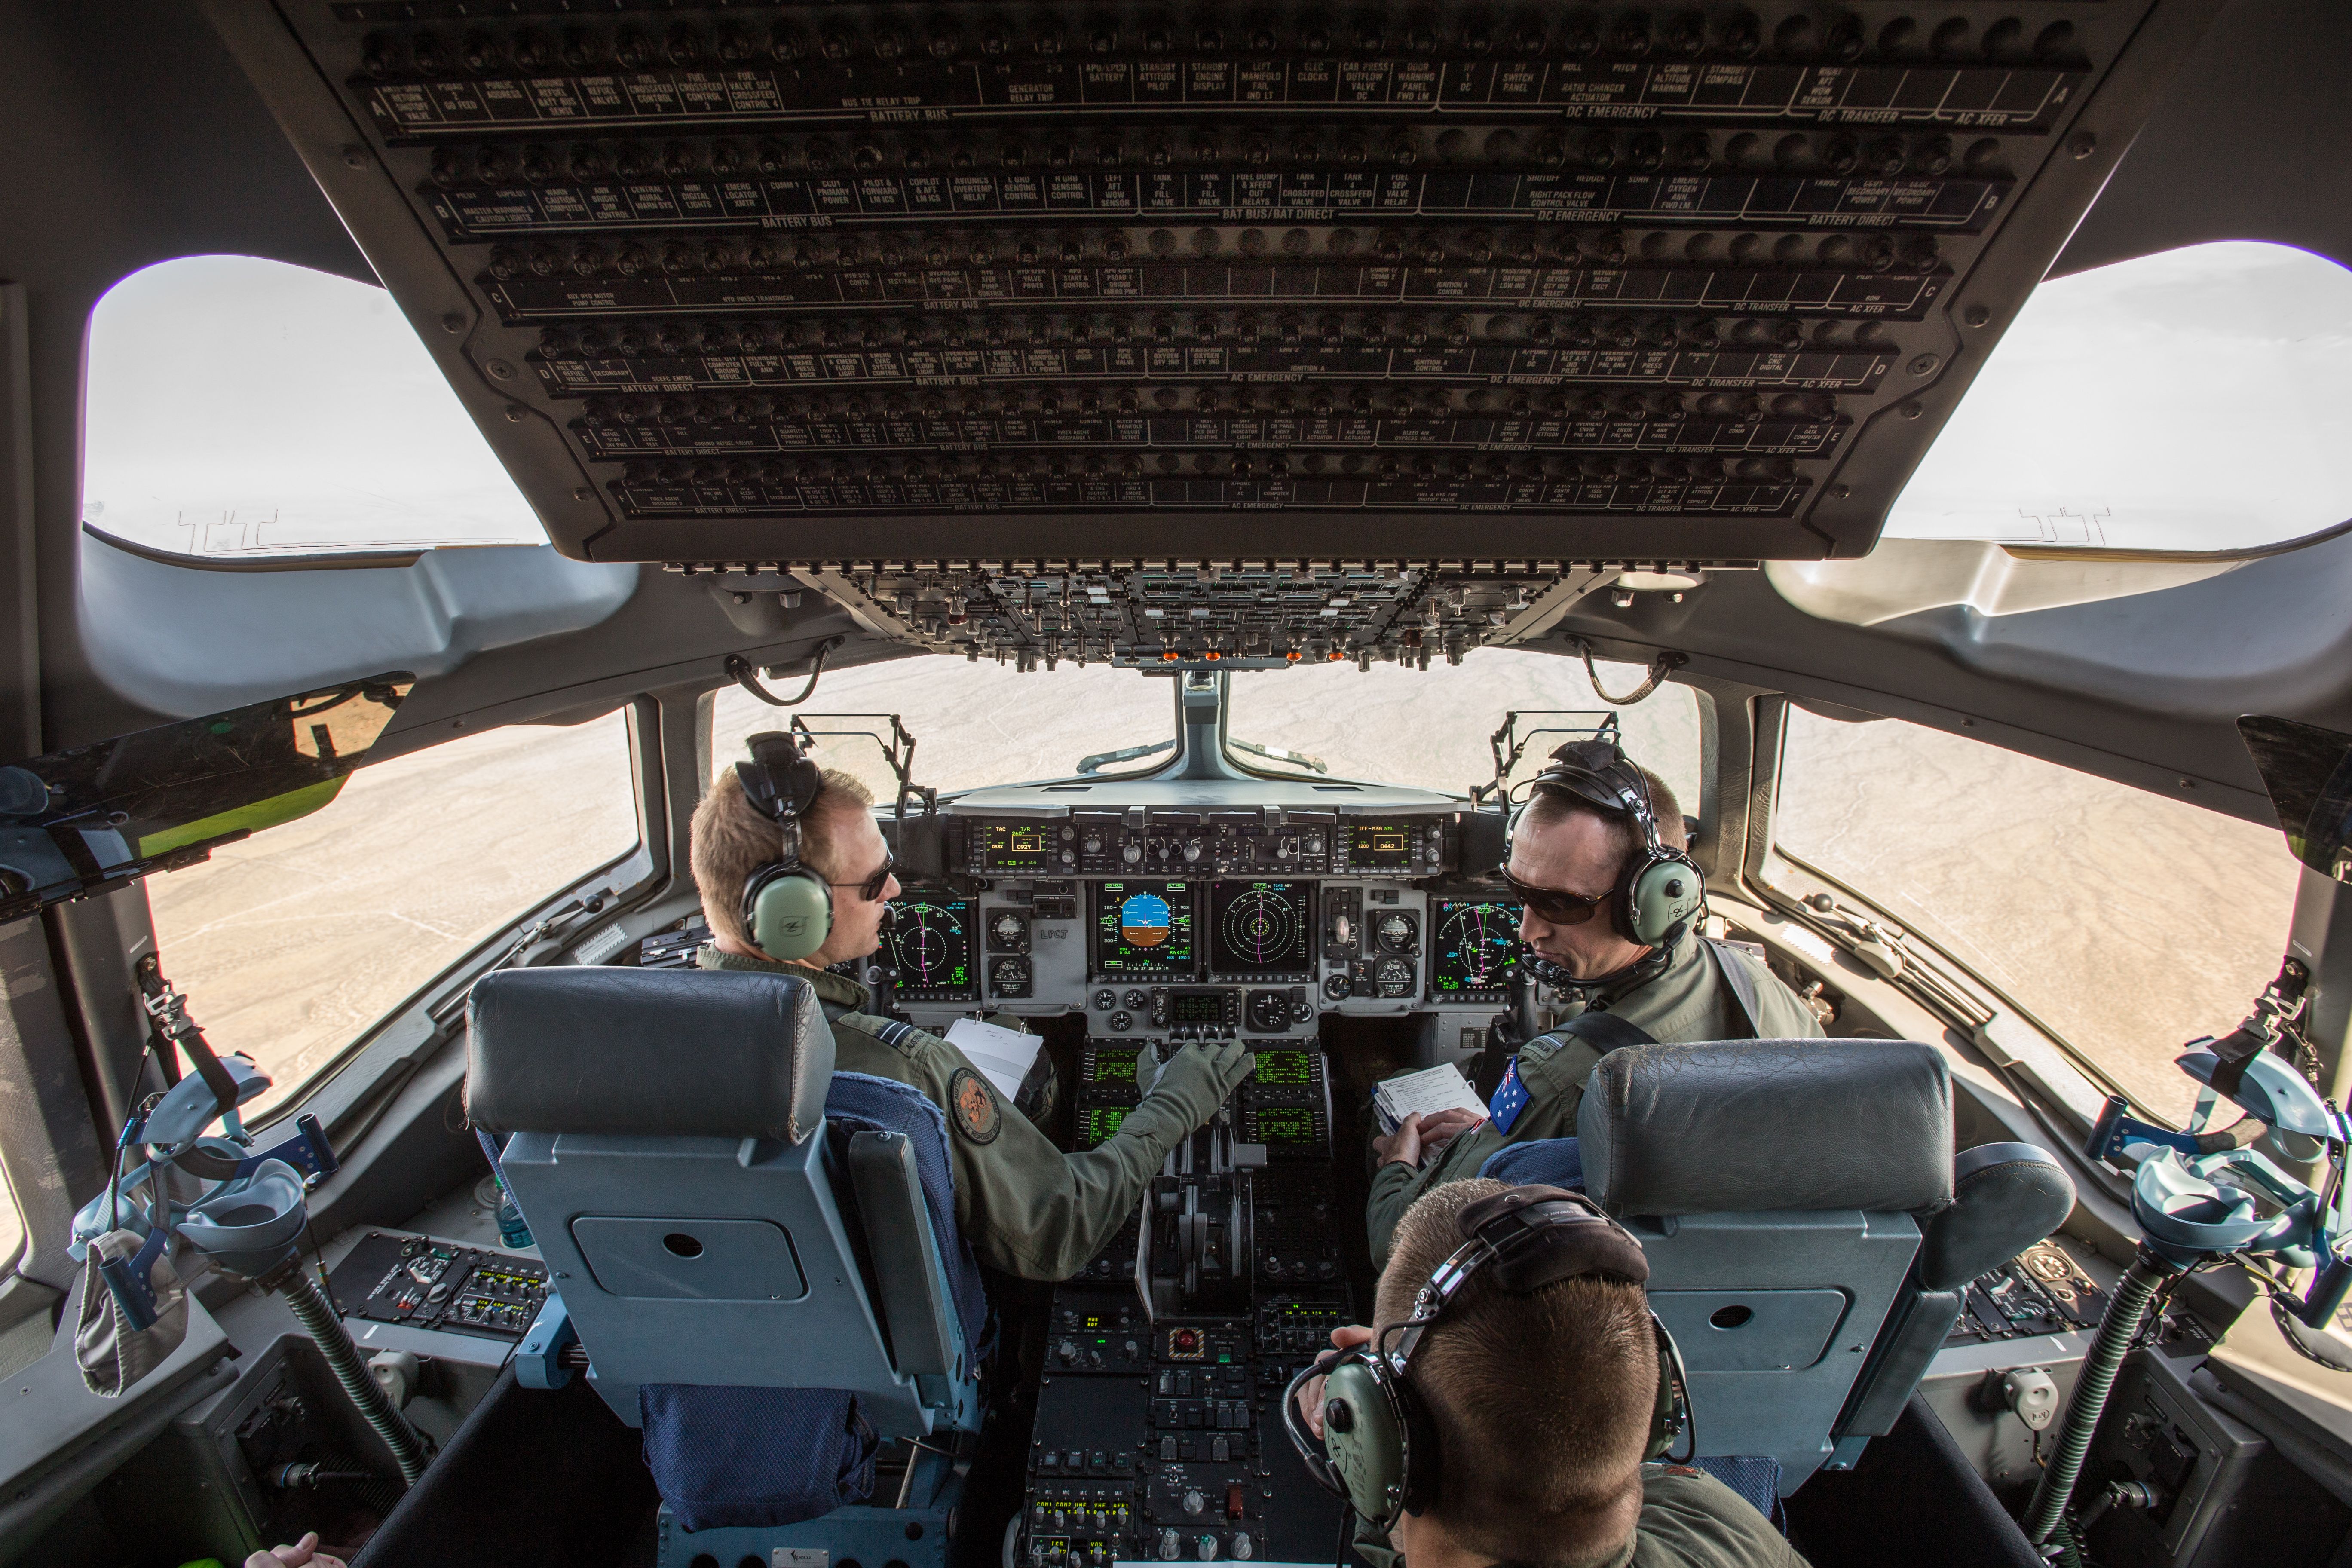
(1195, 466)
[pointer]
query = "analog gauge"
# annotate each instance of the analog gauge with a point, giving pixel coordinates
(1105, 1000)
(1136, 1001)
(1396, 931)
(1009, 976)
(1120, 1023)
(1338, 988)
(1008, 932)
(1392, 977)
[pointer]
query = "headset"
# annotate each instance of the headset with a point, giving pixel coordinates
(787, 907)
(1663, 890)
(1380, 1446)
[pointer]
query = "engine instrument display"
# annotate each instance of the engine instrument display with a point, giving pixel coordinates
(1379, 847)
(1099, 1124)
(930, 946)
(1196, 1007)
(1477, 944)
(1283, 1068)
(1285, 1126)
(1261, 929)
(1015, 845)
(1143, 931)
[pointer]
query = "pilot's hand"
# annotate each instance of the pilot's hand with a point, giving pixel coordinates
(1202, 1074)
(1310, 1393)
(1418, 1137)
(305, 1553)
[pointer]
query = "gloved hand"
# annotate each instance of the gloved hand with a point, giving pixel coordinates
(1199, 1076)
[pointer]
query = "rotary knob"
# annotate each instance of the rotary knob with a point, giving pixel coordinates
(1132, 854)
(1092, 843)
(1206, 1548)
(1244, 1548)
(1172, 1546)
(1192, 1502)
(1191, 850)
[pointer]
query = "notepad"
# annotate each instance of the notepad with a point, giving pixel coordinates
(1003, 1056)
(1428, 1091)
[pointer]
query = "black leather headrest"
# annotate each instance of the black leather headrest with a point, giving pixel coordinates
(674, 1052)
(1746, 1125)
(2005, 1197)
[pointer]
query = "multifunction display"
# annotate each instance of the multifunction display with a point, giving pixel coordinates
(1143, 931)
(1261, 929)
(930, 946)
(1015, 845)
(1477, 944)
(1379, 846)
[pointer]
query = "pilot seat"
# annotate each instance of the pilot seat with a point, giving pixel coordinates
(1809, 1230)
(757, 1255)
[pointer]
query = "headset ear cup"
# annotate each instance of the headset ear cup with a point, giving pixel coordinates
(1671, 1415)
(1666, 894)
(788, 912)
(1366, 1438)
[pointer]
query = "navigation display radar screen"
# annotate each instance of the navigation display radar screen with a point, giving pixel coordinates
(1144, 930)
(1477, 944)
(1261, 929)
(1379, 847)
(930, 936)
(1015, 845)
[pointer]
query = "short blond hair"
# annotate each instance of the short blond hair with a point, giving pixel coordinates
(730, 841)
(1550, 805)
(1542, 1402)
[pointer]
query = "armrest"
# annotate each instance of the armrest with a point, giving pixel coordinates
(914, 1305)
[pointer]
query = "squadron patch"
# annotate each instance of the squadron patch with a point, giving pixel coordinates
(976, 1115)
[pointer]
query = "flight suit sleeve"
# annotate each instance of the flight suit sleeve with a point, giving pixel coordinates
(1030, 1210)
(1396, 1187)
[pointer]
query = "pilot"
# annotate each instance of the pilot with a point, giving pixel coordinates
(1610, 901)
(1541, 1378)
(1025, 1207)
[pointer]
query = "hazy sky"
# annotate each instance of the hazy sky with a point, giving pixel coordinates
(2195, 400)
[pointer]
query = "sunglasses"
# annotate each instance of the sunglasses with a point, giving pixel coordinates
(1555, 905)
(871, 889)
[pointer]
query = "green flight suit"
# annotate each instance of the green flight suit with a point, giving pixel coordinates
(1688, 1000)
(1689, 1520)
(1026, 1207)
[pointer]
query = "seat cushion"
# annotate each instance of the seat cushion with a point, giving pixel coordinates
(872, 1104)
(755, 1457)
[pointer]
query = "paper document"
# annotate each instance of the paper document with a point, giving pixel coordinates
(1431, 1090)
(1003, 1056)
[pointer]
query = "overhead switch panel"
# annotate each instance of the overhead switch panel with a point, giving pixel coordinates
(1595, 283)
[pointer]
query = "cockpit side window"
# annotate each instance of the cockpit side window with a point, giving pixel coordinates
(12, 1225)
(240, 408)
(2122, 921)
(291, 944)
(2190, 400)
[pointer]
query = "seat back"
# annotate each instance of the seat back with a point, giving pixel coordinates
(707, 1217)
(1773, 1183)
(2005, 1197)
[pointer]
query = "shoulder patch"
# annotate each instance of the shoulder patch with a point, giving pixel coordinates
(973, 1108)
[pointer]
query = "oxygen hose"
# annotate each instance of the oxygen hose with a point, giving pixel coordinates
(2118, 1328)
(326, 1331)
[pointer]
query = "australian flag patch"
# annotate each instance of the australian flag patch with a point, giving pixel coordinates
(1510, 1097)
